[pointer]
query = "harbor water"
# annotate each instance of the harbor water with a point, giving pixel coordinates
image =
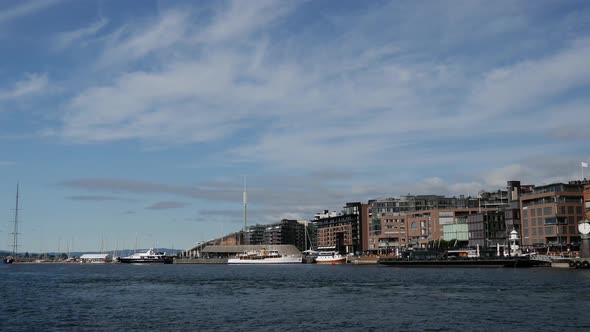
(120, 297)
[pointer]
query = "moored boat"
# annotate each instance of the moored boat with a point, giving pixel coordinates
(330, 257)
(264, 256)
(149, 257)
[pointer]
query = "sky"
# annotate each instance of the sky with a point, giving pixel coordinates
(131, 122)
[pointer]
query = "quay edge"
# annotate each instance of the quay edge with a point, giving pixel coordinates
(516, 262)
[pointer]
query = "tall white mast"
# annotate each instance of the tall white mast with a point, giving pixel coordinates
(245, 201)
(15, 231)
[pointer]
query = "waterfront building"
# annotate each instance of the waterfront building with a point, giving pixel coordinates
(96, 258)
(231, 239)
(456, 232)
(586, 187)
(512, 209)
(344, 231)
(390, 235)
(414, 221)
(487, 229)
(550, 214)
(254, 235)
(419, 229)
(325, 214)
(285, 232)
(493, 199)
(424, 227)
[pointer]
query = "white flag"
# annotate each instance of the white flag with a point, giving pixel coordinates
(584, 164)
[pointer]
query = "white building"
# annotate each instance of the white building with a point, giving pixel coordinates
(96, 258)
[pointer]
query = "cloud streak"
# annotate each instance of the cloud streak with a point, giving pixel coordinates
(167, 205)
(25, 8)
(33, 84)
(97, 198)
(390, 104)
(66, 39)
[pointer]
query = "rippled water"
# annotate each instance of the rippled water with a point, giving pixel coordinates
(291, 298)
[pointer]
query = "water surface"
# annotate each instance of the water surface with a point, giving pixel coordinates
(122, 297)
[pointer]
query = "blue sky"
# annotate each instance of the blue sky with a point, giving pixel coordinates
(140, 119)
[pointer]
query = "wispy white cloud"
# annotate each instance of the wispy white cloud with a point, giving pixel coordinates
(33, 84)
(242, 18)
(132, 42)
(66, 39)
(383, 93)
(25, 8)
(527, 85)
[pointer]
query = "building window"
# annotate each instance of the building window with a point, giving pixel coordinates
(414, 226)
(549, 230)
(547, 211)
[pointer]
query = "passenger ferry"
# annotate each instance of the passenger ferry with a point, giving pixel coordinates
(264, 256)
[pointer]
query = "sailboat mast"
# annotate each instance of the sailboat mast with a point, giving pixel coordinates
(15, 231)
(245, 201)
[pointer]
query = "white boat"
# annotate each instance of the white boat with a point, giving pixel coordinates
(330, 257)
(264, 256)
(149, 257)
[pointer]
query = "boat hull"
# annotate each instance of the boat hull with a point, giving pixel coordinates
(331, 261)
(330, 257)
(166, 260)
(280, 260)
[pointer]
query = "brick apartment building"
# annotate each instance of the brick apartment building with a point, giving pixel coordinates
(415, 221)
(550, 214)
(346, 231)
